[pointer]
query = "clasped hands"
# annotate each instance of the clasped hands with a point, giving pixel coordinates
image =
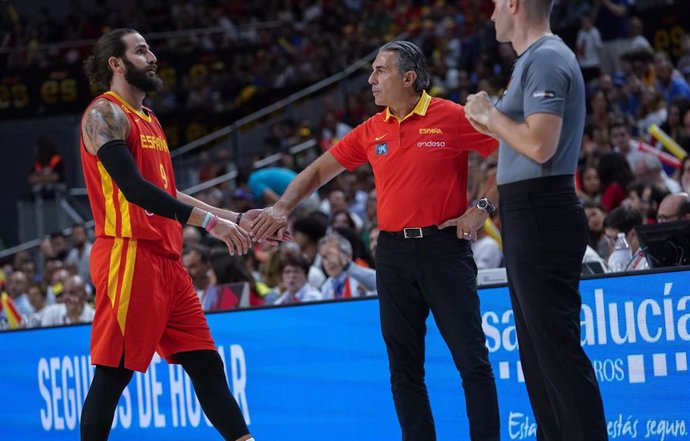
(239, 238)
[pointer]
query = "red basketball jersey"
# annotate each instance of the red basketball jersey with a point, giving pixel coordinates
(113, 214)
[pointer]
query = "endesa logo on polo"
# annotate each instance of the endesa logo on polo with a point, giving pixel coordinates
(431, 144)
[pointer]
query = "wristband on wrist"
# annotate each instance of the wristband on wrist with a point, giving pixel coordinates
(212, 223)
(207, 218)
(239, 218)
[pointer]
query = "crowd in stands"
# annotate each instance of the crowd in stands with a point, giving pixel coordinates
(626, 176)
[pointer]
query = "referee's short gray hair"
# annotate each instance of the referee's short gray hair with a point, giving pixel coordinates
(343, 244)
(410, 58)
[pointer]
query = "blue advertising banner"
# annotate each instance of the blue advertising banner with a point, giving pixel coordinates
(319, 372)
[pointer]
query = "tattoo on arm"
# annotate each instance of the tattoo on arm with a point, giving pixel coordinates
(104, 122)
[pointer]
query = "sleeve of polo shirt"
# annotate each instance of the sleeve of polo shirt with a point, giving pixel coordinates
(473, 140)
(545, 83)
(350, 151)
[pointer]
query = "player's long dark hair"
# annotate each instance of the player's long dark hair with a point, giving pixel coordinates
(109, 45)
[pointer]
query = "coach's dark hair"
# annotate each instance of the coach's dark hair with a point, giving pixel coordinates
(410, 58)
(109, 45)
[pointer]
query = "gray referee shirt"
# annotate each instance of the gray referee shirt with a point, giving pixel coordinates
(546, 79)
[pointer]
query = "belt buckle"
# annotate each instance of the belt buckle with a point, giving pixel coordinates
(412, 233)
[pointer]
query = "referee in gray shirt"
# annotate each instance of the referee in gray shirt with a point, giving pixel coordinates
(539, 121)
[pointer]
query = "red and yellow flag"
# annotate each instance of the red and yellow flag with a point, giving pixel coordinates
(13, 316)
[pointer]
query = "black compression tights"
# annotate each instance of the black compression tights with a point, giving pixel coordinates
(205, 368)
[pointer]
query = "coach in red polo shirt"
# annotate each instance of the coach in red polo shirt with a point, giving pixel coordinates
(418, 149)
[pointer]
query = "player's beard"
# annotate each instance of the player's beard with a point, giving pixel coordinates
(141, 79)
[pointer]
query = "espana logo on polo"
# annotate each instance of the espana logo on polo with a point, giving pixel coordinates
(430, 131)
(658, 318)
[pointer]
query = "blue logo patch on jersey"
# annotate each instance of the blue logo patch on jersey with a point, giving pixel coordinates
(381, 149)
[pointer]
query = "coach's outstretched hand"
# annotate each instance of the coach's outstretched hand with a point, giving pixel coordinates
(237, 239)
(250, 216)
(270, 222)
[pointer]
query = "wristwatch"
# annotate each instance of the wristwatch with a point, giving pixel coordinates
(485, 204)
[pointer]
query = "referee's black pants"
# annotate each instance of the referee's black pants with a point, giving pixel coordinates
(437, 273)
(544, 233)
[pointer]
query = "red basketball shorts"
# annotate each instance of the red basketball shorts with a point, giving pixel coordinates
(145, 303)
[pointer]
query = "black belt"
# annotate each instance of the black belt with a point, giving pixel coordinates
(420, 232)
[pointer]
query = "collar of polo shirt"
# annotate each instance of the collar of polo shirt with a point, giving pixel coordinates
(420, 109)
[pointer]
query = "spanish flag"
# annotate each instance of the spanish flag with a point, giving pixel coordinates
(13, 316)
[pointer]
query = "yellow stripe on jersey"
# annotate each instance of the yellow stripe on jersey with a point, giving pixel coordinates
(124, 216)
(114, 269)
(126, 291)
(107, 187)
(129, 107)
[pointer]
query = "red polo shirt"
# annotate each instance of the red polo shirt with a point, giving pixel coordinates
(419, 162)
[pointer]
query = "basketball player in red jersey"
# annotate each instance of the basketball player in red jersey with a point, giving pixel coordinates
(145, 300)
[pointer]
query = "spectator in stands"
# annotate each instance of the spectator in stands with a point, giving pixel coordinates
(360, 252)
(337, 201)
(649, 168)
(332, 130)
(195, 259)
(225, 269)
(624, 220)
(684, 59)
(345, 279)
(294, 281)
(56, 285)
(38, 299)
(612, 22)
(599, 114)
(595, 224)
(192, 236)
(622, 142)
(589, 49)
(373, 240)
(674, 207)
(684, 173)
(637, 40)
(645, 196)
(46, 249)
(652, 110)
(50, 266)
(16, 286)
(268, 184)
(81, 251)
(28, 267)
(74, 309)
(343, 219)
(48, 168)
(59, 245)
(615, 175)
(670, 85)
(673, 126)
(590, 185)
(19, 258)
(307, 232)
(370, 213)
